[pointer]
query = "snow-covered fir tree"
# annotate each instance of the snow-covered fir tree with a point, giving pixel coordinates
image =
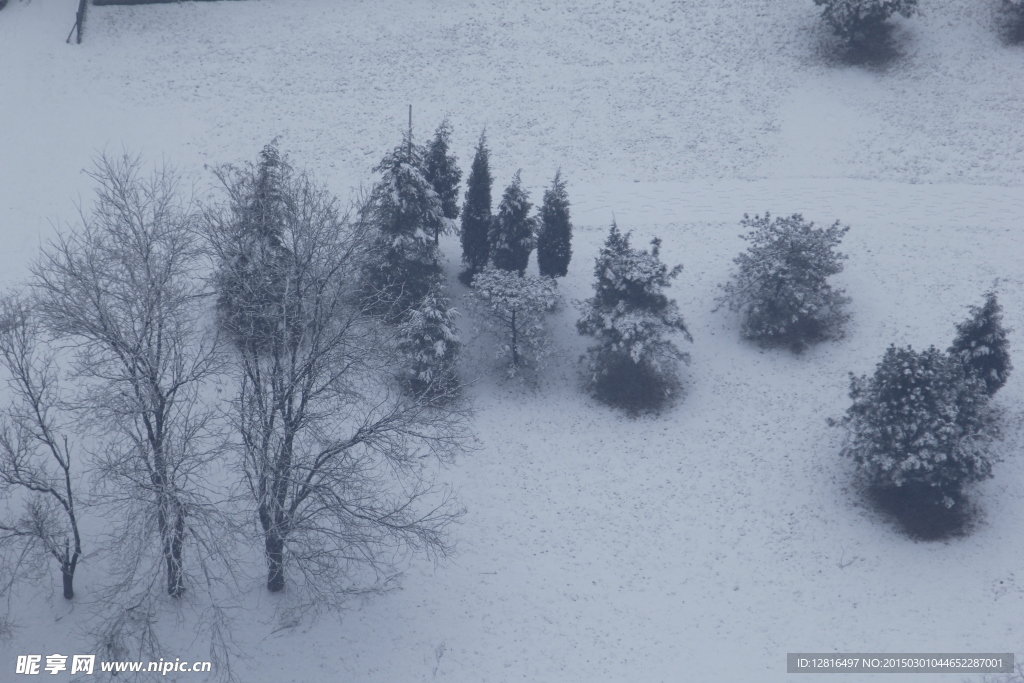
(858, 20)
(476, 212)
(406, 212)
(781, 283)
(512, 232)
(512, 307)
(633, 362)
(554, 239)
(429, 340)
(920, 424)
(251, 282)
(982, 346)
(442, 170)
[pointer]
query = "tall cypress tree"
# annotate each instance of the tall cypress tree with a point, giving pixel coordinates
(511, 235)
(442, 170)
(476, 211)
(982, 346)
(554, 241)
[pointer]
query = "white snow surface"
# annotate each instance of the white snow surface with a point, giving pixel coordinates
(700, 545)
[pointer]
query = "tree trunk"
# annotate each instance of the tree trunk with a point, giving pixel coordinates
(175, 576)
(275, 563)
(515, 345)
(68, 574)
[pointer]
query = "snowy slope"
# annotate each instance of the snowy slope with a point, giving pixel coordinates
(701, 545)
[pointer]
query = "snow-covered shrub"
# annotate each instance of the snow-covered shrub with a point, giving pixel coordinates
(476, 213)
(858, 20)
(920, 424)
(781, 284)
(554, 239)
(512, 307)
(633, 362)
(982, 346)
(406, 213)
(429, 340)
(511, 237)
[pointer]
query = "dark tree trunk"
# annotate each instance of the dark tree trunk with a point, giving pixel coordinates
(275, 563)
(515, 345)
(68, 574)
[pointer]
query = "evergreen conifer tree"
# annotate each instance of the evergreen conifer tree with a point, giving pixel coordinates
(429, 339)
(781, 283)
(406, 213)
(476, 212)
(554, 240)
(251, 282)
(443, 172)
(511, 237)
(860, 20)
(920, 425)
(981, 345)
(633, 362)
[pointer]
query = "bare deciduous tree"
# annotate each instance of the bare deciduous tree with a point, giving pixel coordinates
(337, 461)
(35, 455)
(124, 290)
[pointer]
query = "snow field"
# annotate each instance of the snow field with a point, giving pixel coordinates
(702, 545)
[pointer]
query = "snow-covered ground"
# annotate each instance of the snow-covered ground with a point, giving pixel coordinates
(702, 545)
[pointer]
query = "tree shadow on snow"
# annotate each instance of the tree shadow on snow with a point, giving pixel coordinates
(917, 513)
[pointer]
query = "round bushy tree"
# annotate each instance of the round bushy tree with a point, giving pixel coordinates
(982, 346)
(921, 424)
(407, 213)
(442, 170)
(476, 212)
(554, 239)
(633, 362)
(859, 20)
(511, 237)
(781, 284)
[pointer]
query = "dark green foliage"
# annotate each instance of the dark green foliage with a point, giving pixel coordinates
(406, 213)
(554, 240)
(862, 20)
(781, 284)
(633, 363)
(511, 236)
(1013, 15)
(442, 170)
(920, 424)
(476, 211)
(981, 345)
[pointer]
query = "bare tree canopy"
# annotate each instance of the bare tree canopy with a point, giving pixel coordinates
(124, 289)
(35, 455)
